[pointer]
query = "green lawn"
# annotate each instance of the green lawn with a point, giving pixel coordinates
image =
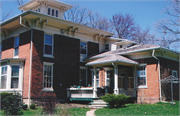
(143, 109)
(71, 111)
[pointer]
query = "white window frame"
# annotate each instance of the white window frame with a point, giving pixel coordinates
(47, 55)
(174, 71)
(49, 11)
(51, 88)
(80, 75)
(143, 86)
(108, 47)
(97, 79)
(8, 83)
(3, 75)
(56, 10)
(17, 56)
(18, 77)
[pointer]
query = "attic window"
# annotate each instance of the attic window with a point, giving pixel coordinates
(56, 13)
(52, 12)
(49, 10)
(106, 46)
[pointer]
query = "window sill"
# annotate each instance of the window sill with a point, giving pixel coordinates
(10, 90)
(48, 90)
(142, 87)
(48, 56)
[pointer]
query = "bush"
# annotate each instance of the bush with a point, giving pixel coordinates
(32, 106)
(12, 104)
(3, 96)
(49, 105)
(115, 100)
(24, 106)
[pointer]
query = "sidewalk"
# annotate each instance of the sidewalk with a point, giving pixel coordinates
(91, 112)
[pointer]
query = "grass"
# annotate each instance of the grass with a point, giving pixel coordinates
(141, 109)
(72, 112)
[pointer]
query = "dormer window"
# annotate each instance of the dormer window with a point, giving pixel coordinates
(52, 12)
(49, 10)
(56, 13)
(39, 10)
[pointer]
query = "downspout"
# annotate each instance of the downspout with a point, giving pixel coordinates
(29, 92)
(159, 74)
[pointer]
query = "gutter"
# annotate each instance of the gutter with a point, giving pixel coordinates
(159, 74)
(29, 92)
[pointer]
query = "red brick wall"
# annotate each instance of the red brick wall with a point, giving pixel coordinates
(7, 48)
(102, 78)
(150, 94)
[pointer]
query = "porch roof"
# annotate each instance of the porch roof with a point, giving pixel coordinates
(111, 59)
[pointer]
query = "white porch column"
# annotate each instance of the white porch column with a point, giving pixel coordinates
(116, 90)
(135, 78)
(95, 88)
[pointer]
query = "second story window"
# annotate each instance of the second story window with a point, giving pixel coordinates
(39, 10)
(83, 47)
(56, 13)
(16, 46)
(49, 11)
(106, 46)
(52, 12)
(48, 45)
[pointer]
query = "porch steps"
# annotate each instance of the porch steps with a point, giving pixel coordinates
(98, 103)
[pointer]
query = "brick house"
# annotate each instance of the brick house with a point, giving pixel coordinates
(43, 55)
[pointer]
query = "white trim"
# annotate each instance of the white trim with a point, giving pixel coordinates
(47, 55)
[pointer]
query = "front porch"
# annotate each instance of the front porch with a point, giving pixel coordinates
(113, 74)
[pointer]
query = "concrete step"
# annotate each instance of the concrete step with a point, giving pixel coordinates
(98, 104)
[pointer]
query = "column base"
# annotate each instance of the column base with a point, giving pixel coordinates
(116, 91)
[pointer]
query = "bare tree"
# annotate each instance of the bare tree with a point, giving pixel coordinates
(20, 3)
(170, 27)
(124, 25)
(76, 14)
(5, 15)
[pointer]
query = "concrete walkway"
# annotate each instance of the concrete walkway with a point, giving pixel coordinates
(91, 112)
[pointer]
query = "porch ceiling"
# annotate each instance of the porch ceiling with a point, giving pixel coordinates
(108, 60)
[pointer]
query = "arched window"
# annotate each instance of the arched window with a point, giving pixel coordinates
(52, 12)
(56, 13)
(49, 10)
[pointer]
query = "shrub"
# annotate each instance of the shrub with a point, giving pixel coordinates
(3, 96)
(115, 100)
(12, 104)
(32, 106)
(49, 105)
(24, 106)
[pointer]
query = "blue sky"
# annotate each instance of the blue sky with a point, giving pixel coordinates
(146, 12)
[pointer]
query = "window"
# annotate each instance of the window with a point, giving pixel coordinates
(49, 11)
(174, 73)
(83, 76)
(106, 46)
(16, 47)
(97, 78)
(0, 50)
(14, 76)
(83, 47)
(3, 77)
(121, 79)
(56, 13)
(120, 46)
(48, 45)
(141, 74)
(108, 78)
(48, 75)
(39, 10)
(52, 12)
